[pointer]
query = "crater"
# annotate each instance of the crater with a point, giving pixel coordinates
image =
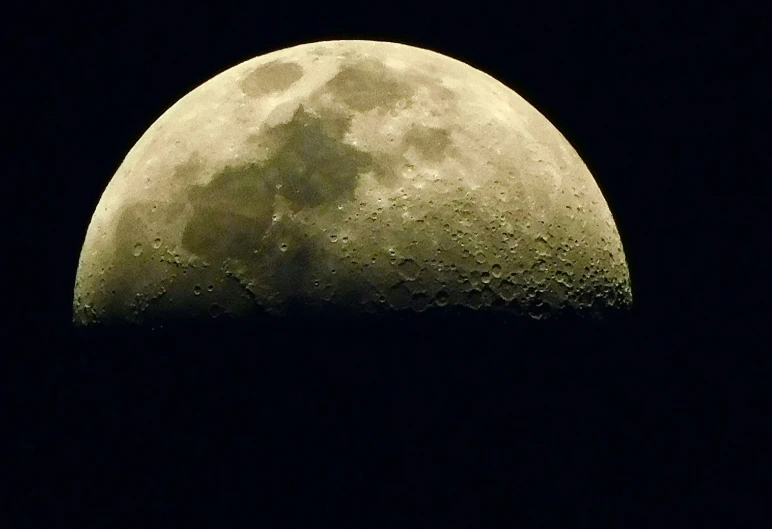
(274, 76)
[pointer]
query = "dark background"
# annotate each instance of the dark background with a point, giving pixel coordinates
(658, 417)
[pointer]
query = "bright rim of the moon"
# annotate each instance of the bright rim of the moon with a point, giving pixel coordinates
(358, 175)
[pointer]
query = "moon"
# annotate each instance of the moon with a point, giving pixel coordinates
(357, 175)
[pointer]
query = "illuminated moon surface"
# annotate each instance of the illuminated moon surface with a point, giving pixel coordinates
(356, 175)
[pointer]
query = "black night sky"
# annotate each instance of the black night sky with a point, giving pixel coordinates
(655, 418)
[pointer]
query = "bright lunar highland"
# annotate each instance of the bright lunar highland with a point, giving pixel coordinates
(357, 175)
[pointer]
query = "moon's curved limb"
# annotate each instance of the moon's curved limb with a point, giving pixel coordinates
(370, 175)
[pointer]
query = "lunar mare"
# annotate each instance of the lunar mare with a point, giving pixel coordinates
(358, 175)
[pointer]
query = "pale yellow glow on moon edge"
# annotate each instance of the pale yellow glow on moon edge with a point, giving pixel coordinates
(368, 175)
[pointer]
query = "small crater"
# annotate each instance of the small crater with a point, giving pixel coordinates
(507, 290)
(441, 298)
(420, 301)
(474, 299)
(408, 269)
(399, 296)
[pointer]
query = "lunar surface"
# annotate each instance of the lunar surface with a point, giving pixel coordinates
(357, 175)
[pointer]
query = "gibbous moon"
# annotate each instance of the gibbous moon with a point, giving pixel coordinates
(357, 175)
